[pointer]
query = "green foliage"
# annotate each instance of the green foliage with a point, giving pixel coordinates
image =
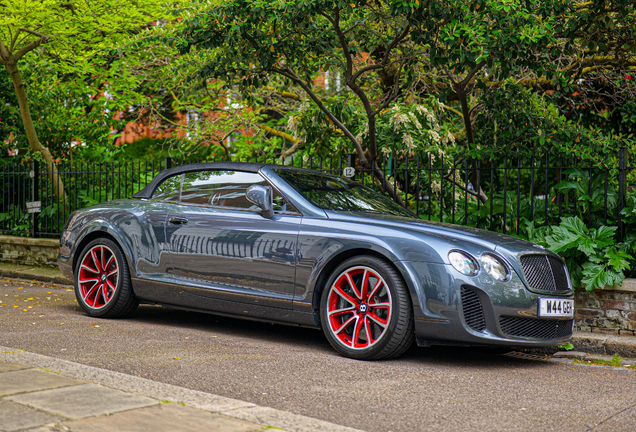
(515, 118)
(567, 347)
(591, 254)
(500, 34)
(616, 361)
(9, 113)
(69, 115)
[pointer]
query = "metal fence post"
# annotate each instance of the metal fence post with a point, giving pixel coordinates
(351, 162)
(622, 171)
(167, 163)
(35, 194)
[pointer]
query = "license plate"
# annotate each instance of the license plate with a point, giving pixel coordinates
(549, 307)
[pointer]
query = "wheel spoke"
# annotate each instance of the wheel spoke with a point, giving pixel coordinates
(100, 293)
(110, 285)
(365, 283)
(353, 286)
(379, 321)
(380, 305)
(96, 261)
(92, 270)
(112, 257)
(375, 289)
(341, 311)
(356, 333)
(344, 295)
(89, 280)
(90, 291)
(345, 324)
(367, 329)
(114, 272)
(107, 292)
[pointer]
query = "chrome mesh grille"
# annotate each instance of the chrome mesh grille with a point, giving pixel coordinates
(544, 273)
(473, 312)
(536, 328)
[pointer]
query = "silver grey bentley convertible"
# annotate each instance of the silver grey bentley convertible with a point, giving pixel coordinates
(300, 247)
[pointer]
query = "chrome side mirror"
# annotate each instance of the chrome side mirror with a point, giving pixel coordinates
(262, 197)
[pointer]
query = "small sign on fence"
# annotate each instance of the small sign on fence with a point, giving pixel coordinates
(349, 172)
(34, 207)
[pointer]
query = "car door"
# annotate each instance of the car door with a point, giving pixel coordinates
(222, 247)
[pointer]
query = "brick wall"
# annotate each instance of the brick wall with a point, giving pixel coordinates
(612, 310)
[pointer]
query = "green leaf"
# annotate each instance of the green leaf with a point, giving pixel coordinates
(618, 259)
(594, 276)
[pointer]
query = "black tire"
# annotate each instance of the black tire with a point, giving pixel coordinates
(102, 281)
(391, 327)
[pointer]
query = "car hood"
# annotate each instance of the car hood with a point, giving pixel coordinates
(502, 243)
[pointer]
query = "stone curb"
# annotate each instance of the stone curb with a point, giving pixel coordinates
(144, 387)
(598, 343)
(30, 273)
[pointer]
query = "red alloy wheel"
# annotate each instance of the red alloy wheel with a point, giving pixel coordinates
(98, 276)
(359, 308)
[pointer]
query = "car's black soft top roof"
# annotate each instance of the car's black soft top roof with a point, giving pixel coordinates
(238, 166)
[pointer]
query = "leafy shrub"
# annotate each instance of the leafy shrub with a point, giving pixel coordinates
(592, 255)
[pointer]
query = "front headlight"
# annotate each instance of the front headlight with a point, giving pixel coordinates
(463, 263)
(495, 268)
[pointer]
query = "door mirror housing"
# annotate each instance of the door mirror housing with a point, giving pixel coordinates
(262, 197)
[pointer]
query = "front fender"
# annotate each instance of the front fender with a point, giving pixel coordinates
(73, 242)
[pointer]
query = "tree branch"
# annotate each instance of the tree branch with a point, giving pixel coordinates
(13, 39)
(33, 45)
(472, 73)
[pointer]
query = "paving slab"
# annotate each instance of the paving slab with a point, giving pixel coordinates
(124, 382)
(29, 380)
(7, 367)
(164, 418)
(14, 416)
(81, 401)
(285, 420)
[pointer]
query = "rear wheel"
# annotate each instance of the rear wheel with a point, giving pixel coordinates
(102, 281)
(366, 311)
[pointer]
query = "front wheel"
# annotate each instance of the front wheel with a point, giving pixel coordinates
(366, 311)
(102, 281)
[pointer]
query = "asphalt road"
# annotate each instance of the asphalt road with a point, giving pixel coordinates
(295, 369)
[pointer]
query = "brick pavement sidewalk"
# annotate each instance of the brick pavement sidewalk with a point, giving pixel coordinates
(45, 394)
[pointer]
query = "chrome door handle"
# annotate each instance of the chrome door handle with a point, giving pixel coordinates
(177, 220)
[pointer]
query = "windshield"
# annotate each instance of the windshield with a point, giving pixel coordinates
(330, 192)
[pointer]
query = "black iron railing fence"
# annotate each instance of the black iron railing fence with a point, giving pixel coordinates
(505, 196)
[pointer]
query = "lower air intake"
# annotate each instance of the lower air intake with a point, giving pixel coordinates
(473, 312)
(536, 328)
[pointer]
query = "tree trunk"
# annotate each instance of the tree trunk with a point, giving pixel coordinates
(474, 175)
(34, 142)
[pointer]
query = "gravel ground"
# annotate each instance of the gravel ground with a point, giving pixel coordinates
(295, 369)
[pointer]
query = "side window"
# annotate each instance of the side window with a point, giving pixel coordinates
(218, 188)
(281, 204)
(226, 189)
(168, 190)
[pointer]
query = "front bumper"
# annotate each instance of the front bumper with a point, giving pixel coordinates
(447, 305)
